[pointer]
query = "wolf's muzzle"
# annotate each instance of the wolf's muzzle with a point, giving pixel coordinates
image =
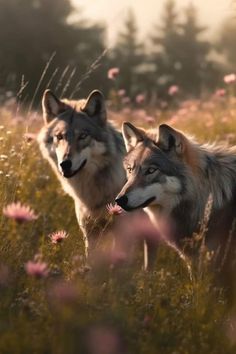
(122, 201)
(66, 165)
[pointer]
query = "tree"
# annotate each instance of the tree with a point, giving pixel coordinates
(31, 31)
(197, 70)
(226, 42)
(165, 46)
(128, 55)
(179, 53)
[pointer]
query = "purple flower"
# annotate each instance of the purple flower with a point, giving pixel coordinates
(63, 292)
(19, 212)
(37, 269)
(113, 73)
(58, 236)
(114, 209)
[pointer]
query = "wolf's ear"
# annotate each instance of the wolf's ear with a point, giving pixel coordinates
(170, 139)
(52, 106)
(95, 106)
(132, 135)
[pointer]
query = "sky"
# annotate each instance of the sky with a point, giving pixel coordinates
(113, 12)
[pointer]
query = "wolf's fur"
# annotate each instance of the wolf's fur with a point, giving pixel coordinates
(173, 176)
(78, 132)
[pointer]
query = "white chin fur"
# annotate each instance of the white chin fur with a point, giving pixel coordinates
(165, 194)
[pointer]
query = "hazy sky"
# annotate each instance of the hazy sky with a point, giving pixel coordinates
(112, 12)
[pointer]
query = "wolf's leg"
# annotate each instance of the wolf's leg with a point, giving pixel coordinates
(150, 253)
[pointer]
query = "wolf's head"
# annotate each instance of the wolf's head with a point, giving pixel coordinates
(75, 131)
(156, 169)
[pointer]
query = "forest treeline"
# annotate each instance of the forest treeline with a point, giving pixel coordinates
(42, 46)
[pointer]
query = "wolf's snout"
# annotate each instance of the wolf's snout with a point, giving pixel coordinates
(122, 201)
(66, 165)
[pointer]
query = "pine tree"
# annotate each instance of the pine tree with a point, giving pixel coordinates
(197, 70)
(165, 46)
(128, 55)
(31, 31)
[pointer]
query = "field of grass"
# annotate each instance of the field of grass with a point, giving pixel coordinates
(116, 307)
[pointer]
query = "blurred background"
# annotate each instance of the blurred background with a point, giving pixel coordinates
(70, 46)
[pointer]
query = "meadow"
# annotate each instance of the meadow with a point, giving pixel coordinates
(60, 305)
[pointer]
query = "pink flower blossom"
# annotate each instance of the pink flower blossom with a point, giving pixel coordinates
(63, 292)
(220, 92)
(121, 92)
(37, 269)
(113, 73)
(125, 100)
(230, 78)
(140, 98)
(114, 209)
(173, 90)
(149, 119)
(19, 212)
(104, 340)
(58, 236)
(29, 137)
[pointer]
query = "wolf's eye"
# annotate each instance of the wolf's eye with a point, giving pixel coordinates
(82, 136)
(59, 136)
(150, 170)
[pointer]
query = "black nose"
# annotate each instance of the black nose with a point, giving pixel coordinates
(122, 201)
(66, 165)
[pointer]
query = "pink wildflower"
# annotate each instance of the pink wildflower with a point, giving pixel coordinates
(63, 292)
(220, 92)
(230, 78)
(121, 92)
(149, 119)
(19, 212)
(58, 236)
(140, 98)
(173, 90)
(114, 209)
(37, 269)
(113, 73)
(29, 137)
(125, 100)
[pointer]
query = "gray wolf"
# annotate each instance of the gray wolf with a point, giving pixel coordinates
(172, 176)
(86, 152)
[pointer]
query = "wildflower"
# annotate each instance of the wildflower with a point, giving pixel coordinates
(113, 73)
(29, 137)
(121, 92)
(230, 78)
(125, 100)
(104, 340)
(58, 236)
(140, 98)
(114, 209)
(173, 90)
(63, 292)
(37, 269)
(220, 92)
(19, 212)
(149, 119)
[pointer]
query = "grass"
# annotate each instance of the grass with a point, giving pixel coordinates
(109, 309)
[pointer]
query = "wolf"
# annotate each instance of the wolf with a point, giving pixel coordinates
(85, 151)
(172, 176)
